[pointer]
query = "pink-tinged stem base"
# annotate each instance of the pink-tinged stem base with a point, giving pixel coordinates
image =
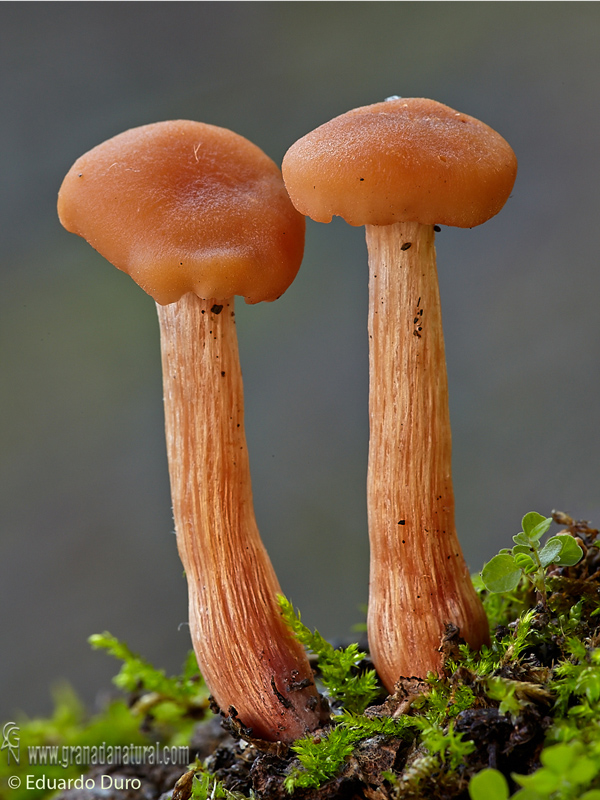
(418, 580)
(246, 654)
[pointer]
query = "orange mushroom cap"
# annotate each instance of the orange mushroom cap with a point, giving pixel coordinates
(403, 160)
(182, 206)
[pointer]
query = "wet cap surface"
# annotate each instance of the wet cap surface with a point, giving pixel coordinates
(186, 207)
(403, 160)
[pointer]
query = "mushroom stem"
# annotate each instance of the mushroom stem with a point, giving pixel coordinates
(418, 580)
(246, 654)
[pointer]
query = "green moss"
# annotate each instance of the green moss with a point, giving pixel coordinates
(338, 669)
(172, 704)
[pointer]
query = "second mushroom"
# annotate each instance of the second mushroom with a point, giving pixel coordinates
(399, 167)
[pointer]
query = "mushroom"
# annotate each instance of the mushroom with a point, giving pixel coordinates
(197, 214)
(400, 167)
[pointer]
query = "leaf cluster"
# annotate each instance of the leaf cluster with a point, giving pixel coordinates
(569, 763)
(565, 773)
(528, 558)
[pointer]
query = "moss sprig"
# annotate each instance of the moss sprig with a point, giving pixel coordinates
(174, 704)
(346, 684)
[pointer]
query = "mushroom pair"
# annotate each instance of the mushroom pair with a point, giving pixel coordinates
(196, 214)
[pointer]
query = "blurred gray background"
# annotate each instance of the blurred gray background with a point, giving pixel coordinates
(86, 538)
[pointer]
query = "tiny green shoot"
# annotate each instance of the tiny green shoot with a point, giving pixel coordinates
(206, 786)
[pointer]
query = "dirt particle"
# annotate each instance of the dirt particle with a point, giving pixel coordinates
(282, 698)
(297, 686)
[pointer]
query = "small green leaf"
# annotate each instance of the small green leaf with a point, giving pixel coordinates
(583, 771)
(520, 538)
(550, 552)
(543, 781)
(530, 520)
(521, 548)
(539, 530)
(525, 562)
(558, 758)
(570, 553)
(525, 794)
(535, 525)
(575, 611)
(501, 573)
(489, 784)
(504, 690)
